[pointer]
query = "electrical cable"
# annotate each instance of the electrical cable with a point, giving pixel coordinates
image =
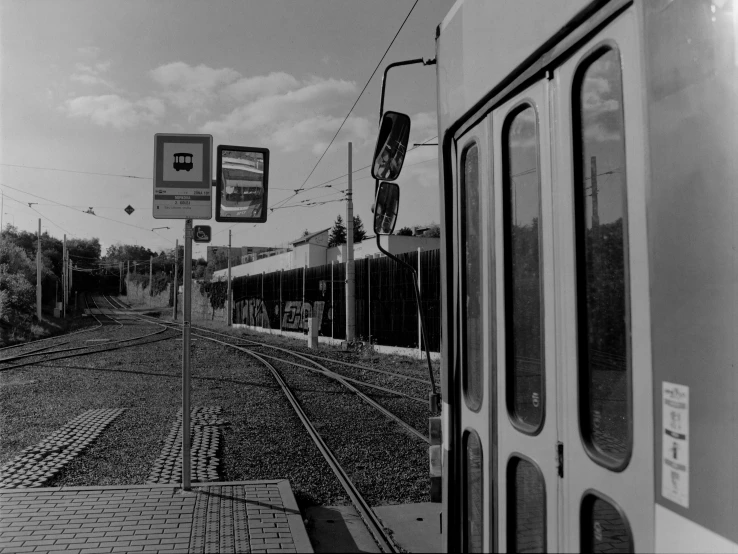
(357, 99)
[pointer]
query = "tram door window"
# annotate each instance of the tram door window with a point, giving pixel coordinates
(476, 365)
(526, 405)
(604, 360)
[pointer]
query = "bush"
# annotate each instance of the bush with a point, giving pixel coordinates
(17, 300)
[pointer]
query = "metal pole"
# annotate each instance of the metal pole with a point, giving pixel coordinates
(420, 332)
(38, 274)
(230, 308)
(281, 272)
(369, 294)
(350, 275)
(120, 278)
(302, 306)
(262, 307)
(186, 316)
(151, 278)
(64, 277)
(176, 271)
(333, 306)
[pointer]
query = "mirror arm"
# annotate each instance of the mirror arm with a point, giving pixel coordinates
(420, 309)
(384, 85)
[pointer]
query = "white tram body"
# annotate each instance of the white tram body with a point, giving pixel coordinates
(589, 197)
(243, 187)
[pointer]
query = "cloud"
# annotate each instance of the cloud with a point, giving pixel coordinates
(191, 88)
(262, 85)
(113, 110)
(89, 51)
(421, 163)
(88, 79)
(289, 113)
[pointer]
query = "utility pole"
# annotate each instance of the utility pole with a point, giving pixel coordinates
(64, 277)
(120, 278)
(128, 274)
(38, 274)
(71, 279)
(176, 271)
(350, 275)
(151, 278)
(228, 316)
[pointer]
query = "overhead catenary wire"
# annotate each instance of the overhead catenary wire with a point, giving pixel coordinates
(355, 102)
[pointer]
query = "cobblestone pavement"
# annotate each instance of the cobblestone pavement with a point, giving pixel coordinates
(251, 516)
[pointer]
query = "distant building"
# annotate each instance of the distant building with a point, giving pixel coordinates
(312, 250)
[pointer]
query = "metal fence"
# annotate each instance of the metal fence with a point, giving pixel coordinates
(386, 311)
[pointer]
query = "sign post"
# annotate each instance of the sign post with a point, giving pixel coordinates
(183, 190)
(186, 316)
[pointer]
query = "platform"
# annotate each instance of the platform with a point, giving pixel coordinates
(235, 517)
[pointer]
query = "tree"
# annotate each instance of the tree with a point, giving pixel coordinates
(338, 233)
(359, 232)
(405, 232)
(433, 232)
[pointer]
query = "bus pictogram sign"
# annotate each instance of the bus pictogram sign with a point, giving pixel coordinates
(183, 176)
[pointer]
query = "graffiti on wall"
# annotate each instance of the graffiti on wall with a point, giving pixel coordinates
(256, 312)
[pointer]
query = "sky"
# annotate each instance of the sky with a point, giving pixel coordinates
(86, 84)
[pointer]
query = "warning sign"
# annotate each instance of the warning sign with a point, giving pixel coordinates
(675, 445)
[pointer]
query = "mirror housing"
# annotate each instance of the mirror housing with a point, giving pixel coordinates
(389, 155)
(242, 184)
(386, 208)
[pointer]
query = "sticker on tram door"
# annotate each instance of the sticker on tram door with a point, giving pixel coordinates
(675, 444)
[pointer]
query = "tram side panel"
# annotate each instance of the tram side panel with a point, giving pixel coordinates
(691, 62)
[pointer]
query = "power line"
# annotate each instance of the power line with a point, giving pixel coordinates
(356, 101)
(76, 210)
(76, 171)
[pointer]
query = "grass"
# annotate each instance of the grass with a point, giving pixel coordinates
(49, 326)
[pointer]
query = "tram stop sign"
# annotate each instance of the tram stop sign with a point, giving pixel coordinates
(183, 176)
(201, 233)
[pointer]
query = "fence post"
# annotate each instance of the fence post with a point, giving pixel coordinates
(369, 294)
(302, 306)
(420, 333)
(262, 307)
(333, 307)
(281, 272)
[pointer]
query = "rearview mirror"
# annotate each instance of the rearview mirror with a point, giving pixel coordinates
(242, 184)
(386, 207)
(389, 155)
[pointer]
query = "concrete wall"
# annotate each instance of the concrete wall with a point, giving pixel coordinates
(139, 296)
(315, 255)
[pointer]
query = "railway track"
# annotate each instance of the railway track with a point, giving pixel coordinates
(372, 522)
(44, 354)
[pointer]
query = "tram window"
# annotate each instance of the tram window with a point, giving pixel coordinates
(603, 528)
(472, 268)
(526, 510)
(523, 287)
(602, 261)
(473, 493)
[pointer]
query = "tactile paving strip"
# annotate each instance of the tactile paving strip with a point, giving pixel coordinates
(205, 437)
(36, 465)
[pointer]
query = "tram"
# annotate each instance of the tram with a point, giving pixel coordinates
(243, 187)
(589, 206)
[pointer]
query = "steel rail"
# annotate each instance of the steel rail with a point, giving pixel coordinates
(362, 506)
(336, 377)
(63, 336)
(102, 348)
(340, 362)
(363, 383)
(328, 373)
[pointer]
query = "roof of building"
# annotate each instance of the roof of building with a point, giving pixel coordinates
(307, 238)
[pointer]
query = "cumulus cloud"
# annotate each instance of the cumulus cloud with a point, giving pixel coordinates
(289, 113)
(191, 88)
(90, 73)
(113, 110)
(88, 79)
(248, 88)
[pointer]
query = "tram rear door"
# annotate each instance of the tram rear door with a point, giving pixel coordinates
(555, 413)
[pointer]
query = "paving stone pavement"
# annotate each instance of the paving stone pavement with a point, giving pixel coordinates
(249, 516)
(38, 464)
